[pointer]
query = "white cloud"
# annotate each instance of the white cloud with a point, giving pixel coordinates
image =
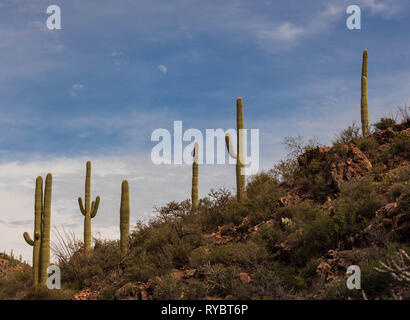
(285, 32)
(75, 89)
(162, 68)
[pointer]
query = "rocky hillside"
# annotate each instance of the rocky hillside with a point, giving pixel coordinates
(293, 237)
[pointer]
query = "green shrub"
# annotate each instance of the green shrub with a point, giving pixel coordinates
(347, 135)
(338, 290)
(268, 236)
(373, 282)
(264, 189)
(15, 282)
(401, 146)
(167, 288)
(384, 123)
(43, 293)
(369, 146)
(82, 267)
(357, 203)
(404, 203)
(107, 293)
(195, 290)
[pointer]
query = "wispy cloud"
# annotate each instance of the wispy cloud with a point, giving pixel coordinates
(76, 89)
(162, 68)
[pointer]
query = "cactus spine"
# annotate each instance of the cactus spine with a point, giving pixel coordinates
(195, 169)
(240, 155)
(42, 220)
(89, 211)
(38, 208)
(364, 102)
(124, 217)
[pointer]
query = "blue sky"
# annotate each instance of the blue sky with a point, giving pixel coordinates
(118, 70)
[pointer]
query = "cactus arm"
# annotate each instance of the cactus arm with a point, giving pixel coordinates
(80, 203)
(94, 207)
(28, 239)
(229, 145)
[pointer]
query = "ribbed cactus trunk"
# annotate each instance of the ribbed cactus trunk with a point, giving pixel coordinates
(364, 101)
(90, 209)
(195, 169)
(240, 147)
(124, 217)
(45, 234)
(38, 208)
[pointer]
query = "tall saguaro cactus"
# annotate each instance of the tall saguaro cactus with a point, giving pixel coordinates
(90, 209)
(364, 102)
(45, 233)
(195, 169)
(42, 220)
(240, 147)
(124, 217)
(38, 208)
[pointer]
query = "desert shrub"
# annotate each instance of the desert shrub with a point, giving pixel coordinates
(195, 290)
(108, 293)
(309, 269)
(401, 146)
(286, 171)
(268, 236)
(167, 288)
(166, 242)
(250, 254)
(373, 282)
(15, 282)
(369, 146)
(220, 279)
(212, 209)
(83, 266)
(142, 266)
(312, 232)
(237, 211)
(403, 175)
(396, 190)
(264, 190)
(43, 293)
(312, 177)
(347, 135)
(314, 239)
(337, 290)
(198, 257)
(357, 203)
(384, 123)
(222, 254)
(404, 202)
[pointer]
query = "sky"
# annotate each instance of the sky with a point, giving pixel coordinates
(117, 70)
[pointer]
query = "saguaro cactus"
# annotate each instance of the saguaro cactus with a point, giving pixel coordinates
(90, 210)
(124, 217)
(364, 102)
(42, 220)
(38, 208)
(45, 233)
(240, 155)
(195, 169)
